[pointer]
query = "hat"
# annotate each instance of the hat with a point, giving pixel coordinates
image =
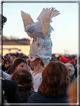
(72, 61)
(41, 46)
(64, 59)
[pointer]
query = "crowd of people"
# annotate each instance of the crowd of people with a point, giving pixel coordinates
(26, 81)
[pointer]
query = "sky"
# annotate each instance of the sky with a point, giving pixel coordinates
(65, 35)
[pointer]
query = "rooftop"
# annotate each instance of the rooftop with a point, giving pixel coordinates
(15, 41)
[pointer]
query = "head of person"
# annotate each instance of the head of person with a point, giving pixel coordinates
(54, 80)
(72, 92)
(24, 78)
(18, 64)
(24, 57)
(74, 60)
(71, 69)
(12, 57)
(6, 63)
(37, 61)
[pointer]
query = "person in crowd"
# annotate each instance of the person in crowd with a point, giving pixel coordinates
(28, 62)
(25, 83)
(71, 71)
(6, 57)
(38, 65)
(53, 58)
(12, 57)
(73, 60)
(9, 87)
(2, 60)
(19, 63)
(74, 63)
(11, 93)
(41, 46)
(6, 65)
(74, 95)
(55, 81)
(17, 55)
(64, 59)
(24, 57)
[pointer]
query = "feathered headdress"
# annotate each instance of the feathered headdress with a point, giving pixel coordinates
(41, 46)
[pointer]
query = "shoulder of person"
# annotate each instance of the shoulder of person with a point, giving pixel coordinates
(10, 85)
(11, 91)
(32, 98)
(39, 75)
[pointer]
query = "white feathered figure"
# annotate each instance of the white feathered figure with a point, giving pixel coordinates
(41, 46)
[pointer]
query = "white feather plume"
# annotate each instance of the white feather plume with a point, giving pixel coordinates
(27, 20)
(45, 11)
(46, 16)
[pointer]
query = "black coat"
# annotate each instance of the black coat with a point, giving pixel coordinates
(11, 91)
(38, 98)
(5, 69)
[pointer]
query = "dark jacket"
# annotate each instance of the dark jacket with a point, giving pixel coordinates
(38, 98)
(24, 93)
(5, 69)
(11, 91)
(72, 77)
(75, 71)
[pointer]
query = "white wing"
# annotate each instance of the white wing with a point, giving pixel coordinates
(54, 13)
(27, 20)
(44, 11)
(45, 16)
(46, 23)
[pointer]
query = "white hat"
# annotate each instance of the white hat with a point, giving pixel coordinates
(41, 46)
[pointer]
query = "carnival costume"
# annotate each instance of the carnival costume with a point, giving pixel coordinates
(40, 31)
